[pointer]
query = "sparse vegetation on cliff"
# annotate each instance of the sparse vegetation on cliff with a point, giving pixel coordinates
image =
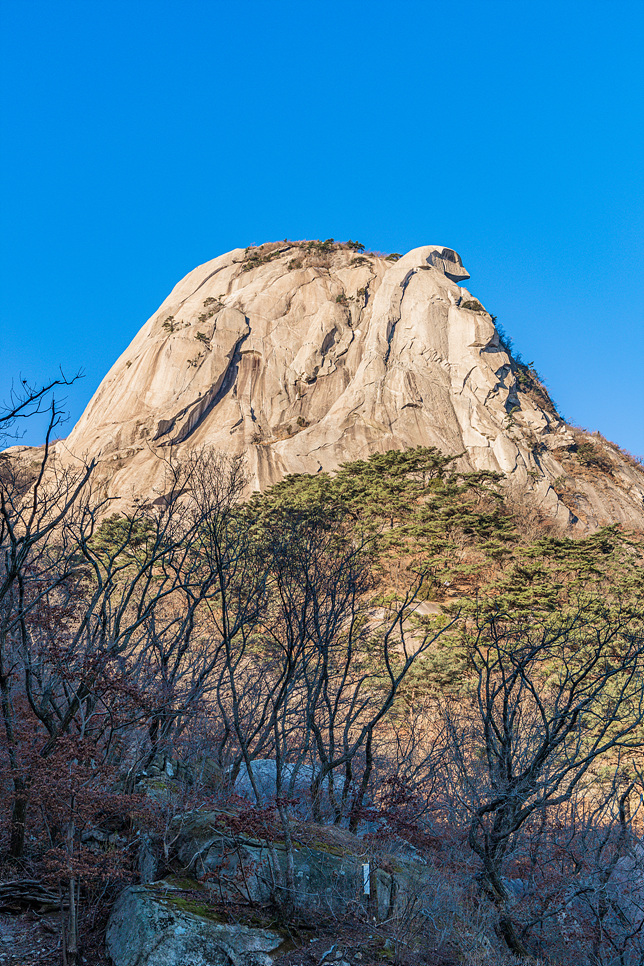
(309, 254)
(473, 305)
(589, 454)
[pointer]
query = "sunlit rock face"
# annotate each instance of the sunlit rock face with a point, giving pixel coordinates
(304, 360)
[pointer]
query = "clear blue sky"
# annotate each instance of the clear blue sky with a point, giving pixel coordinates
(144, 137)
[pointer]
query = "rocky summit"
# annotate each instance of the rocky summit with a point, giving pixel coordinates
(306, 355)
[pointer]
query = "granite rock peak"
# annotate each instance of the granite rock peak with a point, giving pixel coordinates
(307, 355)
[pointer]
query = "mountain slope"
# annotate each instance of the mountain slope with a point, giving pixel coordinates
(307, 355)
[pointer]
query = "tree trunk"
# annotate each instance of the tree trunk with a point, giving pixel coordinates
(512, 940)
(72, 921)
(18, 820)
(364, 784)
(288, 892)
(496, 890)
(19, 807)
(72, 930)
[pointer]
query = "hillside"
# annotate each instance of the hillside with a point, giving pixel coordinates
(391, 703)
(306, 355)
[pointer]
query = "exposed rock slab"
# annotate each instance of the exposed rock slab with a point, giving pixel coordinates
(305, 364)
(148, 927)
(333, 869)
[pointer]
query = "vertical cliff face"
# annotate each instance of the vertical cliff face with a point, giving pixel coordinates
(307, 356)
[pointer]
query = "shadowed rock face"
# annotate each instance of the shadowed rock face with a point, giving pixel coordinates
(151, 926)
(306, 362)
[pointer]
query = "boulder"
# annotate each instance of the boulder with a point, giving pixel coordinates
(253, 870)
(154, 926)
(333, 868)
(626, 886)
(296, 780)
(296, 786)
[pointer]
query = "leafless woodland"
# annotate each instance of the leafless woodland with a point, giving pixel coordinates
(198, 633)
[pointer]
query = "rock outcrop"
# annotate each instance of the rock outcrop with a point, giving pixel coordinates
(156, 926)
(332, 868)
(307, 357)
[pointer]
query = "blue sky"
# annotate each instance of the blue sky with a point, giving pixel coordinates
(142, 138)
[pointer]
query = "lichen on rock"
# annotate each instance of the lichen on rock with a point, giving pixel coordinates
(154, 926)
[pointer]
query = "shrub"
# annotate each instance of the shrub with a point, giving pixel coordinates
(213, 306)
(259, 256)
(473, 305)
(636, 461)
(589, 454)
(325, 247)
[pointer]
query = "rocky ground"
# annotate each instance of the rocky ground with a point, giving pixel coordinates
(30, 936)
(27, 939)
(344, 944)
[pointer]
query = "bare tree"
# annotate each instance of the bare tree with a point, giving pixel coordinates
(29, 400)
(352, 664)
(314, 677)
(217, 594)
(101, 625)
(37, 509)
(552, 702)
